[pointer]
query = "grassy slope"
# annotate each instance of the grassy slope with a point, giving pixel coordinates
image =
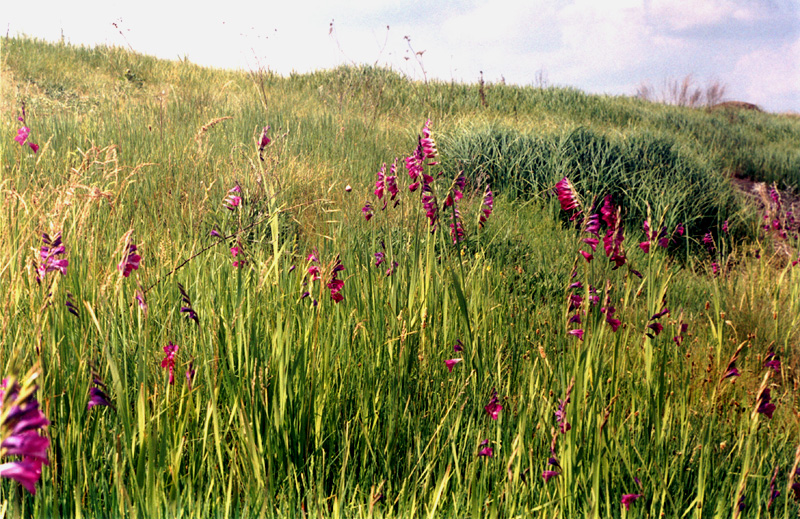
(354, 396)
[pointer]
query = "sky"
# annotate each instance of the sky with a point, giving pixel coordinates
(752, 47)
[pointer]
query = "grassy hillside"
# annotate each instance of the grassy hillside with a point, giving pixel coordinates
(437, 358)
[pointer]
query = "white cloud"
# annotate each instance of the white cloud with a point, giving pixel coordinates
(767, 73)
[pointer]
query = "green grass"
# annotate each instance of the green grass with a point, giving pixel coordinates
(347, 409)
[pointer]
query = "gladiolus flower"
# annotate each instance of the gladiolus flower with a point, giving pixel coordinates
(264, 140)
(456, 228)
(367, 211)
(458, 346)
(628, 499)
(486, 451)
(486, 208)
(335, 285)
(169, 360)
(566, 195)
(391, 270)
(190, 374)
(548, 474)
(25, 472)
(577, 333)
(587, 256)
(450, 363)
(772, 361)
(493, 408)
(130, 262)
(765, 407)
(97, 394)
(187, 308)
(379, 257)
(430, 205)
(427, 143)
(51, 249)
(233, 200)
(645, 246)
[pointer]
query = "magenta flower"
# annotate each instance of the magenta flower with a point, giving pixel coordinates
(263, 140)
(593, 225)
(610, 319)
(427, 143)
(190, 374)
(25, 472)
(566, 195)
(430, 205)
(549, 474)
(575, 319)
(22, 138)
(487, 207)
(628, 499)
(48, 253)
(486, 451)
(577, 333)
(450, 363)
(97, 394)
(679, 338)
(140, 299)
(456, 228)
(458, 346)
(233, 200)
(493, 408)
(414, 164)
(380, 184)
(656, 327)
(765, 407)
(561, 412)
(335, 285)
(587, 256)
(591, 242)
(187, 306)
(21, 420)
(215, 233)
(380, 256)
(169, 360)
(130, 262)
(391, 182)
(391, 270)
(367, 211)
(645, 246)
(70, 304)
(772, 361)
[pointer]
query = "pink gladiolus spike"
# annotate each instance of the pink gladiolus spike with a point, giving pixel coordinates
(587, 256)
(22, 135)
(450, 363)
(645, 246)
(566, 195)
(576, 333)
(548, 474)
(628, 499)
(25, 472)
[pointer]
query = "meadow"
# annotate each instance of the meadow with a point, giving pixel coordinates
(350, 294)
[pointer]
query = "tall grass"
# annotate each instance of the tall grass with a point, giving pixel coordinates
(305, 406)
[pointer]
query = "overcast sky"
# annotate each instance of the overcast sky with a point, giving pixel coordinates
(599, 46)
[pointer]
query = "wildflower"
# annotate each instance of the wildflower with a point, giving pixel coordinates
(664, 311)
(566, 195)
(548, 474)
(731, 373)
(575, 319)
(235, 251)
(169, 360)
(458, 346)
(725, 226)
(348, 188)
(773, 361)
(587, 256)
(628, 499)
(70, 304)
(130, 262)
(708, 241)
(427, 143)
(765, 407)
(335, 285)
(21, 417)
(645, 246)
(379, 257)
(190, 374)
(22, 138)
(187, 308)
(430, 205)
(390, 182)
(263, 140)
(486, 451)
(561, 412)
(450, 363)
(456, 229)
(593, 225)
(714, 268)
(380, 184)
(610, 319)
(391, 270)
(657, 328)
(51, 249)
(679, 338)
(233, 200)
(215, 233)
(577, 333)
(493, 408)
(591, 242)
(773, 491)
(414, 164)
(367, 211)
(97, 394)
(486, 208)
